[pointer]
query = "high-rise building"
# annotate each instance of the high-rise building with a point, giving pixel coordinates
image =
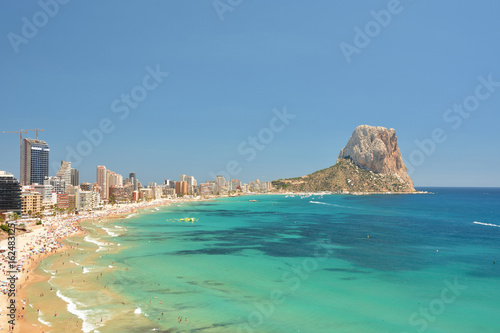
(34, 161)
(75, 177)
(64, 172)
(220, 181)
(220, 184)
(107, 178)
(10, 193)
(181, 188)
(101, 180)
(133, 179)
(113, 179)
(191, 181)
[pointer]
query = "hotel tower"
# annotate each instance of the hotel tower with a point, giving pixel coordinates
(34, 161)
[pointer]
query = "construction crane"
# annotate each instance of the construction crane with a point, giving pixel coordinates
(20, 134)
(35, 130)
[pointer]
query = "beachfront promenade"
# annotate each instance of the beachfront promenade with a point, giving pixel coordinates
(43, 240)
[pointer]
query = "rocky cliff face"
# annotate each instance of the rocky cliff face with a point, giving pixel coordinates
(370, 162)
(376, 149)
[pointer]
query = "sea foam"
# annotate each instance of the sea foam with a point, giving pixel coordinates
(82, 314)
(46, 323)
(488, 224)
(96, 242)
(324, 203)
(320, 203)
(111, 233)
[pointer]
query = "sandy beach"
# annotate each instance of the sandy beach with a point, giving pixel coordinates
(43, 241)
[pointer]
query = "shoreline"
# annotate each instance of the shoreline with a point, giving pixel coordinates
(65, 227)
(32, 249)
(30, 324)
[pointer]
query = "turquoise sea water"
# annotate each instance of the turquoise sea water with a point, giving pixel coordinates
(379, 263)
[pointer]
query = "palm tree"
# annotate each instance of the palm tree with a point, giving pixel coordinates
(15, 216)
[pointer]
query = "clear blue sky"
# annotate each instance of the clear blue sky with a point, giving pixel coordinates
(226, 77)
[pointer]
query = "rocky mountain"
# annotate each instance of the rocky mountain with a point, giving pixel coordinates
(370, 162)
(376, 149)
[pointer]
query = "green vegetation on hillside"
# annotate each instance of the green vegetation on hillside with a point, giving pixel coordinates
(343, 176)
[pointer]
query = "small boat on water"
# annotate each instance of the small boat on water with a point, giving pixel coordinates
(252, 200)
(186, 219)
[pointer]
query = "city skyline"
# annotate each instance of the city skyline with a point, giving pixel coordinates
(267, 92)
(39, 159)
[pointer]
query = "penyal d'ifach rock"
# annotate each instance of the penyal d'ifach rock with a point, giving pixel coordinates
(376, 149)
(370, 163)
